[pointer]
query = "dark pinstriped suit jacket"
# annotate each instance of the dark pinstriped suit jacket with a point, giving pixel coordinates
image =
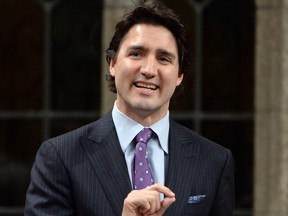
(84, 173)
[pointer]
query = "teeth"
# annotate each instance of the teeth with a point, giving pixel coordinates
(148, 86)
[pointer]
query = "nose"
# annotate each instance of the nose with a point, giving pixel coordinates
(149, 67)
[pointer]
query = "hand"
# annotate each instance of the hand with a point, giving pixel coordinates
(147, 202)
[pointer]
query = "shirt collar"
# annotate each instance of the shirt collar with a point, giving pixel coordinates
(127, 129)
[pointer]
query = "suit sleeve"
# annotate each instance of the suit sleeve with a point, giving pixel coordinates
(224, 202)
(49, 191)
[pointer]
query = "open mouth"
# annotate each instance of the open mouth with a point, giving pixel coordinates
(145, 85)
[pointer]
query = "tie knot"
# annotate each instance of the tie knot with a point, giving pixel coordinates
(144, 135)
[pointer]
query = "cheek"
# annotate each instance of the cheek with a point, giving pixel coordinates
(123, 75)
(131, 66)
(172, 80)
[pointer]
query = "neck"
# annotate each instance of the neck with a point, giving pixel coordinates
(145, 117)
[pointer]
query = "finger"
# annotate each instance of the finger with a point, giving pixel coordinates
(135, 200)
(155, 214)
(162, 189)
(165, 204)
(145, 206)
(154, 202)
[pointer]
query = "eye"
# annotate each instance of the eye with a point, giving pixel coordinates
(164, 59)
(135, 54)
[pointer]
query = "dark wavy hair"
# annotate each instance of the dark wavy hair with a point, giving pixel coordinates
(155, 13)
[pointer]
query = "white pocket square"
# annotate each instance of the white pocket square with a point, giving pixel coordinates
(196, 198)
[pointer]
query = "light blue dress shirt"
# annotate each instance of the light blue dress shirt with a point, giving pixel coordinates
(157, 147)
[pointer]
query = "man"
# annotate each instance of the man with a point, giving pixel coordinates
(93, 170)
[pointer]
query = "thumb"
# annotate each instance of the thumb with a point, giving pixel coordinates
(165, 205)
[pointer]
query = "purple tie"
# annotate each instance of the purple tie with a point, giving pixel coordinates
(142, 173)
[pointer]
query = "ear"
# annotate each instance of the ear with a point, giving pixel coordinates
(179, 80)
(111, 67)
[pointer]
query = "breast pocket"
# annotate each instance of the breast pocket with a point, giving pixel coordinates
(193, 209)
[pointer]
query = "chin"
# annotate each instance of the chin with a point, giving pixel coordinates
(145, 107)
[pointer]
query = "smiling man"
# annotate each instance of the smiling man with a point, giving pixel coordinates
(136, 160)
(146, 72)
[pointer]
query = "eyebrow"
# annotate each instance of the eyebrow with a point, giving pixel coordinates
(162, 51)
(137, 47)
(166, 52)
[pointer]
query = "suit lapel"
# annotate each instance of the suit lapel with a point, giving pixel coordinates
(107, 159)
(183, 156)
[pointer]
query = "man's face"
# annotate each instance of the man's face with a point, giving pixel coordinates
(146, 71)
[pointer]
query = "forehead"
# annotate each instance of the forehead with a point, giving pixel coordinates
(150, 35)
